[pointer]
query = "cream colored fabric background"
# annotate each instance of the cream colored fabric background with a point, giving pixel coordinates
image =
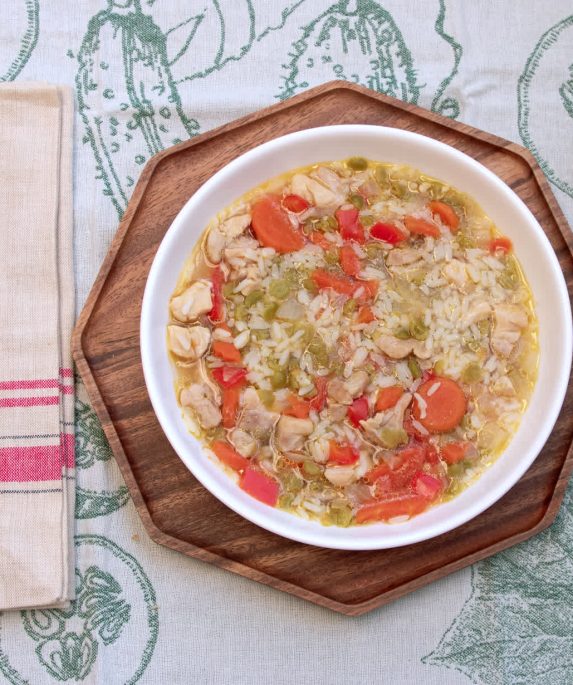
(149, 615)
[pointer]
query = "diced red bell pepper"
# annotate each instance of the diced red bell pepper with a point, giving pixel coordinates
(349, 260)
(319, 400)
(401, 505)
(325, 279)
(421, 227)
(358, 411)
(446, 214)
(260, 486)
(227, 455)
(453, 452)
(218, 310)
(227, 376)
(318, 238)
(295, 203)
(349, 225)
(342, 453)
(502, 244)
(365, 315)
(388, 233)
(427, 486)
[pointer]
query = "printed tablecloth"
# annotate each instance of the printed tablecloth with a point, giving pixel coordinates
(149, 73)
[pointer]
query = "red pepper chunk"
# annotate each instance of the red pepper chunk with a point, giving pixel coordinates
(401, 505)
(318, 402)
(226, 351)
(217, 280)
(295, 203)
(358, 411)
(427, 486)
(421, 227)
(388, 233)
(502, 244)
(342, 453)
(228, 376)
(230, 405)
(446, 214)
(297, 407)
(349, 261)
(349, 225)
(260, 486)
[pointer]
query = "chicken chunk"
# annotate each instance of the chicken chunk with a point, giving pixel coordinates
(189, 343)
(316, 193)
(456, 272)
(345, 391)
(503, 387)
(202, 400)
(403, 256)
(478, 311)
(291, 433)
(389, 420)
(510, 320)
(398, 349)
(255, 418)
(192, 302)
(340, 475)
(242, 257)
(243, 442)
(219, 236)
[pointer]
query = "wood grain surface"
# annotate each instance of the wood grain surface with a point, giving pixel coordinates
(176, 510)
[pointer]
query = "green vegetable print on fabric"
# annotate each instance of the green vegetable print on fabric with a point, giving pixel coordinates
(359, 41)
(29, 13)
(148, 112)
(92, 447)
(516, 627)
(545, 101)
(69, 642)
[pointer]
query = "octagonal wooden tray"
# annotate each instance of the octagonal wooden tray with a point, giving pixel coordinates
(176, 510)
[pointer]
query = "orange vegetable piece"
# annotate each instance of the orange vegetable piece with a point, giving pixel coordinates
(260, 486)
(421, 227)
(445, 407)
(453, 452)
(226, 351)
(503, 244)
(388, 397)
(403, 505)
(272, 225)
(349, 260)
(365, 314)
(325, 279)
(342, 453)
(227, 455)
(318, 238)
(371, 287)
(298, 407)
(446, 214)
(230, 405)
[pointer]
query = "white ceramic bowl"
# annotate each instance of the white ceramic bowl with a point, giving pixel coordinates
(436, 159)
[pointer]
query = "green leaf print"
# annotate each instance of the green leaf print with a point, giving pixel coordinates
(361, 34)
(70, 657)
(29, 12)
(566, 92)
(516, 627)
(91, 443)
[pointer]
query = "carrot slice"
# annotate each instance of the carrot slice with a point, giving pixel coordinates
(228, 456)
(349, 261)
(421, 227)
(230, 405)
(405, 505)
(226, 351)
(342, 453)
(365, 314)
(444, 407)
(371, 287)
(297, 407)
(325, 279)
(318, 238)
(272, 226)
(453, 452)
(388, 397)
(446, 214)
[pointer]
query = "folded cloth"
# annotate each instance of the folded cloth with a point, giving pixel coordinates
(36, 318)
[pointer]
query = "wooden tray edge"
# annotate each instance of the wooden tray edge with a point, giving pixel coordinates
(101, 410)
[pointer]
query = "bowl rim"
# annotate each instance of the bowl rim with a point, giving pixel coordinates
(250, 508)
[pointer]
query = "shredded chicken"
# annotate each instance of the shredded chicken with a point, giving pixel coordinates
(403, 256)
(392, 419)
(456, 272)
(345, 391)
(316, 193)
(219, 236)
(243, 442)
(398, 349)
(241, 255)
(510, 320)
(503, 387)
(477, 312)
(336, 412)
(202, 400)
(189, 343)
(192, 302)
(255, 418)
(291, 433)
(340, 475)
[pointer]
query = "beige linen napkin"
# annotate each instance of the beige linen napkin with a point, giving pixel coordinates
(36, 318)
